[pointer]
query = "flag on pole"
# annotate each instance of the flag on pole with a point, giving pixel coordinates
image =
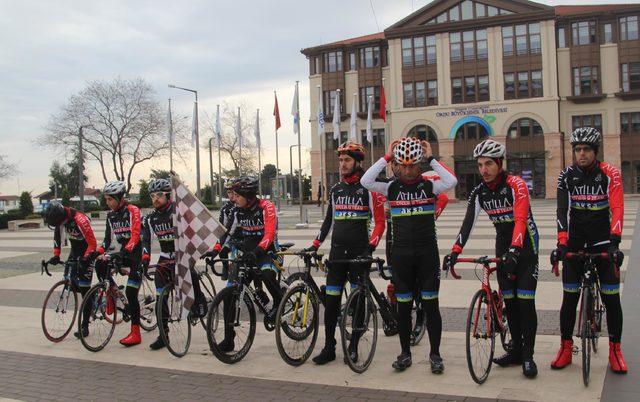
(217, 128)
(383, 104)
(170, 126)
(257, 129)
(239, 129)
(197, 229)
(295, 113)
(320, 114)
(369, 119)
(194, 123)
(353, 125)
(336, 116)
(276, 112)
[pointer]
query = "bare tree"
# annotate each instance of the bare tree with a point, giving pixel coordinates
(124, 126)
(6, 169)
(230, 143)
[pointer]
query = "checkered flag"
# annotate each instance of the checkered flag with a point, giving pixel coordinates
(197, 230)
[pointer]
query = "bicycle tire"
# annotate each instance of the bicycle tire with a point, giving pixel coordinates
(98, 299)
(296, 276)
(359, 299)
(178, 338)
(301, 293)
(209, 290)
(60, 311)
(475, 316)
(416, 336)
(147, 300)
(586, 333)
(231, 294)
(598, 310)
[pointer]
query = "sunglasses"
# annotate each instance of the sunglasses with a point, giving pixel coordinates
(582, 148)
(156, 195)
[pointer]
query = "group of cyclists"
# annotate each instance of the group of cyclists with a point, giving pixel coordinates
(590, 210)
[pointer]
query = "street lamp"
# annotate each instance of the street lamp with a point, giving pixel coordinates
(291, 169)
(197, 132)
(81, 168)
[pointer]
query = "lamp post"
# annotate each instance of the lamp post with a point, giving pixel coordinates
(291, 169)
(213, 197)
(81, 169)
(197, 135)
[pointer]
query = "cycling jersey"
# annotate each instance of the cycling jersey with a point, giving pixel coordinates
(251, 227)
(351, 208)
(159, 223)
(124, 223)
(226, 212)
(590, 204)
(79, 233)
(506, 201)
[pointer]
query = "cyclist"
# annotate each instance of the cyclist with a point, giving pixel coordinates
(123, 222)
(226, 213)
(590, 215)
(83, 245)
(351, 208)
(253, 230)
(505, 199)
(414, 257)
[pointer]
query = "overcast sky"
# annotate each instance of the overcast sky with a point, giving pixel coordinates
(228, 50)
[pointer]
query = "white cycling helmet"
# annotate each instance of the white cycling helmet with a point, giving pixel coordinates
(114, 188)
(586, 135)
(489, 149)
(408, 151)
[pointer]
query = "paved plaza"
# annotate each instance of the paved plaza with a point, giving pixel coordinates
(32, 368)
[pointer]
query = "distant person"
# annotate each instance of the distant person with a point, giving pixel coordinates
(320, 191)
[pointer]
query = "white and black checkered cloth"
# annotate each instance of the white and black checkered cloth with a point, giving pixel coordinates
(197, 232)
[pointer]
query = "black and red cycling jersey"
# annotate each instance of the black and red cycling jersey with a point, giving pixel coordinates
(125, 225)
(79, 232)
(251, 227)
(590, 204)
(506, 202)
(350, 211)
(159, 223)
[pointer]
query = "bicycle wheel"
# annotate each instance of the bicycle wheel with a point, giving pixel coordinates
(418, 318)
(586, 333)
(598, 313)
(147, 300)
(102, 316)
(297, 324)
(209, 290)
(363, 329)
(59, 311)
(296, 276)
(239, 328)
(480, 337)
(175, 330)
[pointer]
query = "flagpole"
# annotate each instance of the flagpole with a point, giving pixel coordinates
(219, 134)
(259, 157)
(239, 128)
(170, 139)
(369, 124)
(278, 196)
(213, 195)
(299, 153)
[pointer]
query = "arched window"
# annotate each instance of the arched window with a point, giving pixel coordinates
(425, 132)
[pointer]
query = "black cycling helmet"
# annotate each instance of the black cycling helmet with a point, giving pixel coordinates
(55, 214)
(586, 135)
(159, 186)
(246, 186)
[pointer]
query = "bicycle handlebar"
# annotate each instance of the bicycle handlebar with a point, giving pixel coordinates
(363, 260)
(44, 267)
(484, 260)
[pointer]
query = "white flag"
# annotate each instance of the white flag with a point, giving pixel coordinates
(295, 112)
(320, 114)
(194, 124)
(239, 129)
(170, 126)
(336, 116)
(353, 125)
(217, 129)
(257, 129)
(370, 119)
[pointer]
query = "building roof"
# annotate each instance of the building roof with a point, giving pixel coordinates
(346, 42)
(47, 193)
(566, 11)
(9, 198)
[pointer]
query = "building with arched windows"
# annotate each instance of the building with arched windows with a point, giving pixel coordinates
(458, 71)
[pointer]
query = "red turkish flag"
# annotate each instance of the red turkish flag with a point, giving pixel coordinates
(276, 113)
(383, 104)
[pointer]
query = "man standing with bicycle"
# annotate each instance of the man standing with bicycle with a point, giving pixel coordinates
(83, 246)
(351, 208)
(414, 258)
(505, 199)
(590, 215)
(226, 214)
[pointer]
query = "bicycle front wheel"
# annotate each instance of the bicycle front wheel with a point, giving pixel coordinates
(99, 319)
(231, 325)
(586, 333)
(598, 313)
(297, 324)
(59, 311)
(480, 337)
(174, 329)
(209, 290)
(360, 321)
(147, 300)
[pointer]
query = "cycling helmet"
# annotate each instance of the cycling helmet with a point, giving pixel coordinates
(408, 151)
(586, 135)
(353, 149)
(115, 188)
(55, 214)
(489, 149)
(159, 186)
(246, 186)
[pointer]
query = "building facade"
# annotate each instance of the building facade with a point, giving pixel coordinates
(456, 72)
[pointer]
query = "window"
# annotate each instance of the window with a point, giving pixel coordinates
(369, 57)
(407, 53)
(524, 128)
(522, 85)
(562, 38)
(523, 39)
(474, 45)
(585, 81)
(630, 77)
(421, 98)
(629, 28)
(507, 41)
(493, 11)
(454, 14)
(431, 49)
(418, 51)
(534, 39)
(476, 89)
(312, 66)
(352, 61)
(414, 50)
(592, 120)
(330, 102)
(483, 88)
(481, 44)
(432, 92)
(468, 45)
(407, 92)
(332, 62)
(467, 10)
(630, 123)
(456, 90)
(509, 86)
(607, 34)
(536, 84)
(469, 88)
(481, 10)
(583, 33)
(365, 93)
(454, 39)
(377, 137)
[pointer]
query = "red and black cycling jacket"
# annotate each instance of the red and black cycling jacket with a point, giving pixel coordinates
(590, 204)
(125, 225)
(251, 227)
(79, 232)
(506, 202)
(350, 211)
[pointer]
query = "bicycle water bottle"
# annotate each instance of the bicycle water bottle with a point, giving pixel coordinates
(391, 295)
